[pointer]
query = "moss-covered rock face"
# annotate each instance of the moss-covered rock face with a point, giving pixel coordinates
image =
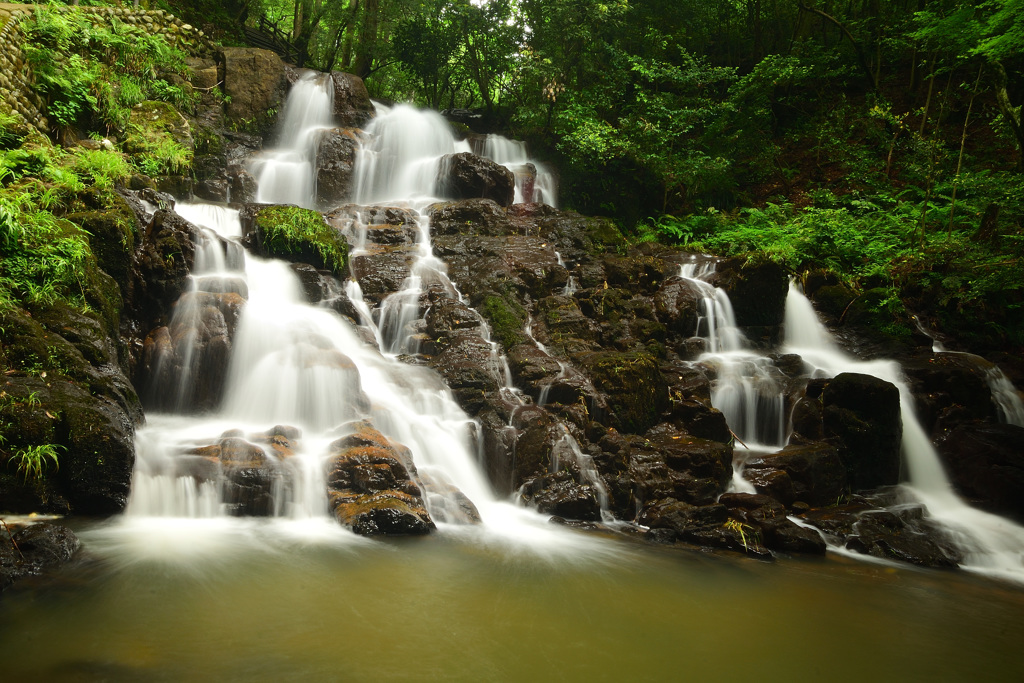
(255, 81)
(506, 320)
(298, 235)
(637, 392)
(113, 232)
(67, 415)
(159, 140)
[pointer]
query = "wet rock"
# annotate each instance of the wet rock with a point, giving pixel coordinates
(682, 517)
(772, 482)
(950, 389)
(446, 502)
(468, 176)
(311, 281)
(352, 105)
(33, 550)
(250, 478)
(677, 305)
(640, 273)
(255, 82)
(564, 327)
(538, 432)
(700, 419)
(757, 290)
(242, 186)
(370, 488)
(637, 392)
(667, 463)
(560, 494)
(183, 366)
(535, 263)
(161, 269)
(815, 470)
(469, 217)
(781, 534)
(380, 274)
(381, 225)
(985, 463)
(335, 161)
(904, 538)
(863, 413)
(806, 419)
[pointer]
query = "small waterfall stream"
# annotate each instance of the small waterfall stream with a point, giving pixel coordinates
(749, 390)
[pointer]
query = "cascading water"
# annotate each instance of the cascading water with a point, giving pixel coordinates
(534, 182)
(991, 544)
(302, 372)
(287, 174)
(747, 388)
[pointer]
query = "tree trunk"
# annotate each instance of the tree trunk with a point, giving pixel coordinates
(1010, 114)
(367, 39)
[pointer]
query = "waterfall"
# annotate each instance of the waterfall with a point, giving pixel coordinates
(991, 544)
(747, 387)
(534, 181)
(299, 375)
(287, 175)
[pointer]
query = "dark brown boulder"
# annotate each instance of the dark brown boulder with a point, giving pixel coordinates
(468, 176)
(370, 487)
(815, 470)
(335, 160)
(33, 550)
(469, 217)
(986, 465)
(256, 84)
(757, 290)
(636, 391)
(677, 306)
(863, 413)
(352, 105)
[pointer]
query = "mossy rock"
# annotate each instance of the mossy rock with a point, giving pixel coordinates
(297, 235)
(506, 320)
(159, 139)
(113, 232)
(637, 392)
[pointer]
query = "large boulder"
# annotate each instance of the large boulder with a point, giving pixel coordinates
(294, 234)
(986, 465)
(468, 176)
(370, 487)
(34, 549)
(352, 105)
(637, 392)
(863, 414)
(469, 217)
(255, 81)
(335, 159)
(812, 473)
(757, 290)
(677, 304)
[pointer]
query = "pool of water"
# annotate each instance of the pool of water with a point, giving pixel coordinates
(245, 601)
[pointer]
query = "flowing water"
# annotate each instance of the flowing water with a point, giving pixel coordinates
(176, 589)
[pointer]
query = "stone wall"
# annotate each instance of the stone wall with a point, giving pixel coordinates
(16, 79)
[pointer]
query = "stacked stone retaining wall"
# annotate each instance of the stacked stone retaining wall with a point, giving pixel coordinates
(16, 80)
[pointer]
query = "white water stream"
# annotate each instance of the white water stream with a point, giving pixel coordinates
(746, 389)
(991, 544)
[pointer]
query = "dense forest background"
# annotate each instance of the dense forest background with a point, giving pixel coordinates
(878, 142)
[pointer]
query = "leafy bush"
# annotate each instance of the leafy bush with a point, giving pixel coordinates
(93, 75)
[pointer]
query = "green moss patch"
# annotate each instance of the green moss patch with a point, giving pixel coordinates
(300, 235)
